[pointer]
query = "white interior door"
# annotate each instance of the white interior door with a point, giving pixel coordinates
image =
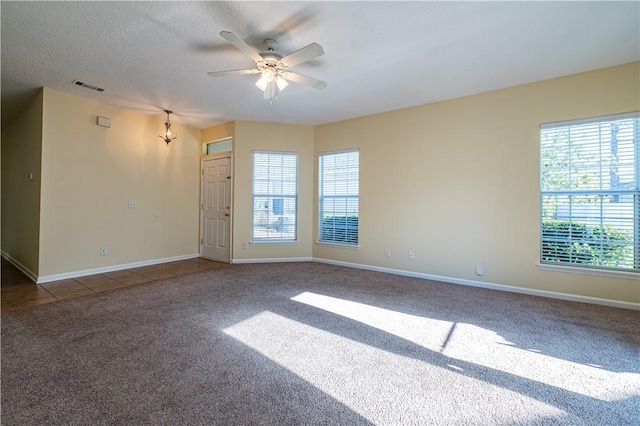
(216, 209)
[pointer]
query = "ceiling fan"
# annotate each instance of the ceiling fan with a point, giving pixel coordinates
(273, 67)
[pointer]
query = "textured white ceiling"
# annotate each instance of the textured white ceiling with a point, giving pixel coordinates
(379, 56)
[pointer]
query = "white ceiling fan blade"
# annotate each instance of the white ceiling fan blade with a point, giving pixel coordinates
(233, 72)
(302, 55)
(237, 42)
(306, 80)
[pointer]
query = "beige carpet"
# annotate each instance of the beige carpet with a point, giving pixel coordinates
(309, 343)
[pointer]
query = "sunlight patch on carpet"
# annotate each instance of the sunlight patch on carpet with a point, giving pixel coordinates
(482, 347)
(383, 386)
(427, 332)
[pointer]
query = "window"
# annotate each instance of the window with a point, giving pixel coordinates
(590, 195)
(338, 188)
(223, 145)
(275, 196)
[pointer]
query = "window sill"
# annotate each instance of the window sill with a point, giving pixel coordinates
(275, 243)
(588, 271)
(339, 245)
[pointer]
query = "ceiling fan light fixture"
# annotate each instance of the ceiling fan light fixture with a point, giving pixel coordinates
(266, 78)
(262, 84)
(281, 82)
(268, 75)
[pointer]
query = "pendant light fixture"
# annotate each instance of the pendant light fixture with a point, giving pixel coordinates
(168, 135)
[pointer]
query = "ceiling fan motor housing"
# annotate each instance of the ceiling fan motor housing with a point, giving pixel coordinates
(270, 56)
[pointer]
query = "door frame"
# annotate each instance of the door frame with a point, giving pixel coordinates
(216, 156)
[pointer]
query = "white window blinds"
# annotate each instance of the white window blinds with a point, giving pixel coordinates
(275, 196)
(590, 197)
(338, 188)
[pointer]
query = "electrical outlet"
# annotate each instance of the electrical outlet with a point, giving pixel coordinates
(132, 204)
(245, 245)
(411, 254)
(479, 270)
(387, 252)
(103, 251)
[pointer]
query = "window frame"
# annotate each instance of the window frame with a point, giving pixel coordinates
(270, 195)
(346, 196)
(600, 194)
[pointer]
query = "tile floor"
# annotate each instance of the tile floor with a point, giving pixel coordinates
(19, 292)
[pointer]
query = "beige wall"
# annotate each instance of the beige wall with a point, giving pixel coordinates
(458, 182)
(21, 155)
(252, 136)
(221, 131)
(89, 173)
(455, 181)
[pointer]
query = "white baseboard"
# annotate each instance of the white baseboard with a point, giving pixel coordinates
(460, 281)
(75, 274)
(491, 286)
(32, 276)
(273, 260)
